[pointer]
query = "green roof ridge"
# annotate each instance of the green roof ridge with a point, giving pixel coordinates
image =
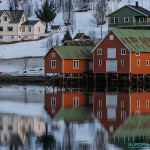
(134, 40)
(75, 114)
(135, 126)
(74, 52)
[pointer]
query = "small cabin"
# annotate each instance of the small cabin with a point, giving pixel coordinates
(55, 28)
(81, 37)
(70, 60)
(129, 17)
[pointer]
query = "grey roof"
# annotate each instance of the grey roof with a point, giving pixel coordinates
(30, 22)
(15, 15)
(55, 27)
(141, 9)
(1, 12)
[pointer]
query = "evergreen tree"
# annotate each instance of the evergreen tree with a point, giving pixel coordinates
(67, 36)
(47, 13)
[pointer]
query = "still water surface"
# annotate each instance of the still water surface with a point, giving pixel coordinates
(42, 118)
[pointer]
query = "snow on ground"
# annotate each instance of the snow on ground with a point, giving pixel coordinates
(33, 109)
(84, 22)
(23, 49)
(35, 48)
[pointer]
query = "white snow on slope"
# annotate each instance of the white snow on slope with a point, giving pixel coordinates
(23, 49)
(83, 25)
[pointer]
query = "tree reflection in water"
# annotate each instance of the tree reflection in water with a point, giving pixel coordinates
(47, 140)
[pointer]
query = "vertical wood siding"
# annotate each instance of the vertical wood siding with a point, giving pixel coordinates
(142, 69)
(107, 43)
(83, 66)
(68, 99)
(48, 59)
(142, 98)
(111, 122)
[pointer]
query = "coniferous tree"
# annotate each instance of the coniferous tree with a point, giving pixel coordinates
(47, 13)
(67, 36)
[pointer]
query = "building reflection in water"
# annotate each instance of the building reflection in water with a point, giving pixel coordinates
(111, 109)
(79, 120)
(16, 130)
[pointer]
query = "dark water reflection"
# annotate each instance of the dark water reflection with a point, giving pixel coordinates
(37, 117)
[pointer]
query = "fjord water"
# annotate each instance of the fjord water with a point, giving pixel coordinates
(43, 118)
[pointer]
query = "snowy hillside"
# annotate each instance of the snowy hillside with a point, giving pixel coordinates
(84, 23)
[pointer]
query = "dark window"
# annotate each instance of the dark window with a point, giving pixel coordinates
(123, 51)
(1, 28)
(10, 28)
(100, 62)
(99, 51)
(126, 19)
(53, 64)
(76, 64)
(5, 18)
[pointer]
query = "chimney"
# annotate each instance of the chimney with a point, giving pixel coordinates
(137, 4)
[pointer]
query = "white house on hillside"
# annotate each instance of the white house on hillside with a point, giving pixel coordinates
(15, 26)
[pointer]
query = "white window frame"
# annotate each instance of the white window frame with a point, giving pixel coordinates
(138, 62)
(123, 115)
(6, 18)
(138, 102)
(147, 62)
(113, 20)
(122, 62)
(123, 51)
(53, 54)
(99, 51)
(53, 101)
(140, 20)
(74, 65)
(53, 67)
(99, 114)
(100, 62)
(125, 19)
(111, 37)
(100, 103)
(137, 54)
(134, 19)
(76, 101)
(122, 104)
(147, 102)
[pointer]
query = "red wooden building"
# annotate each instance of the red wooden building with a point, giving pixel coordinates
(69, 60)
(54, 102)
(111, 109)
(123, 51)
